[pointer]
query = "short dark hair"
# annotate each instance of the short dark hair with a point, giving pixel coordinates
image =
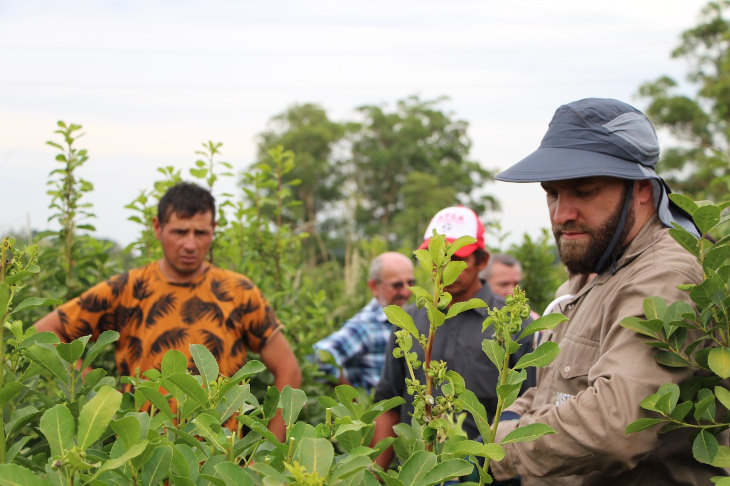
(186, 200)
(480, 255)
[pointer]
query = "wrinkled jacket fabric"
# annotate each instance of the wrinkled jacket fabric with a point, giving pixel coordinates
(592, 390)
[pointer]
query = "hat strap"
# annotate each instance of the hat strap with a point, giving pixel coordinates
(600, 267)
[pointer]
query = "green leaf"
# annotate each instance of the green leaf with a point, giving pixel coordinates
(424, 258)
(105, 338)
(208, 426)
(158, 466)
(128, 430)
(669, 358)
(468, 401)
(14, 475)
(719, 361)
(543, 355)
(716, 257)
(459, 243)
(173, 362)
(316, 455)
(706, 217)
(155, 397)
(681, 410)
(58, 425)
(233, 474)
(9, 391)
(187, 385)
(641, 424)
(34, 302)
(72, 351)
(292, 401)
(686, 240)
(651, 328)
(452, 271)
(249, 369)
(449, 469)
(399, 317)
(687, 204)
(416, 467)
(96, 415)
(349, 466)
(47, 356)
(206, 364)
(494, 352)
(654, 308)
(528, 433)
(460, 307)
(435, 316)
(722, 458)
(473, 448)
(550, 321)
(723, 395)
(117, 462)
(271, 402)
(704, 447)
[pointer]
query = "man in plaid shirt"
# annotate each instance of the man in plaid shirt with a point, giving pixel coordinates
(358, 347)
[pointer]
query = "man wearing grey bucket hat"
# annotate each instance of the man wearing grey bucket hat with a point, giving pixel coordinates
(609, 212)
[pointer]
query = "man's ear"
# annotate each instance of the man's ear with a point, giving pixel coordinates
(157, 227)
(644, 192)
(372, 285)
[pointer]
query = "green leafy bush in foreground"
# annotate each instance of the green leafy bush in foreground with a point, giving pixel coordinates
(64, 427)
(694, 337)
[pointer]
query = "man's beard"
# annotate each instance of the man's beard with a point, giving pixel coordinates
(581, 257)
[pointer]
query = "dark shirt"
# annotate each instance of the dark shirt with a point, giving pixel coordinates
(458, 342)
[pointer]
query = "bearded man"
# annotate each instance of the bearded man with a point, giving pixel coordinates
(609, 212)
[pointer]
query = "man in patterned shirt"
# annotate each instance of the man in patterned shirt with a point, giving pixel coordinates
(358, 347)
(180, 300)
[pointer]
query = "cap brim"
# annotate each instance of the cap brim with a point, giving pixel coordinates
(462, 252)
(557, 164)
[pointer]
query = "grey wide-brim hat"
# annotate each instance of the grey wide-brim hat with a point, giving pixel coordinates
(599, 137)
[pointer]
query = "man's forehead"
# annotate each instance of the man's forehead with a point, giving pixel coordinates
(175, 217)
(582, 181)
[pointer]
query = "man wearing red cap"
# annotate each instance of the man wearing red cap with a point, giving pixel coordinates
(458, 341)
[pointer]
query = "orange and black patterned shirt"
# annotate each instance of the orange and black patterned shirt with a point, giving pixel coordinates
(222, 310)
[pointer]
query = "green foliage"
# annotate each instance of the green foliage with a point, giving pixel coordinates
(412, 144)
(542, 272)
(77, 258)
(435, 437)
(316, 180)
(63, 427)
(697, 164)
(695, 337)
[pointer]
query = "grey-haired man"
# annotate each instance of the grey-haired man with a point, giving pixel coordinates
(609, 212)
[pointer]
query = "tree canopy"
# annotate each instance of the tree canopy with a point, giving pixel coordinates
(384, 174)
(697, 164)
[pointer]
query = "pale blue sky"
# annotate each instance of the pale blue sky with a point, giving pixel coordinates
(150, 80)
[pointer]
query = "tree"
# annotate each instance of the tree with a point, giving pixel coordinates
(698, 164)
(307, 131)
(394, 152)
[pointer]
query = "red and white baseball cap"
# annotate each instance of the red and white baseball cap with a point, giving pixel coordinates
(455, 222)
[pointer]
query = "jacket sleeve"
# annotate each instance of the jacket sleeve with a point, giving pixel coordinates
(590, 424)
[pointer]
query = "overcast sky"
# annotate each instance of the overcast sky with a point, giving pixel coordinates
(151, 80)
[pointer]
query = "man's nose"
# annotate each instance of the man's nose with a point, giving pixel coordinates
(189, 242)
(564, 209)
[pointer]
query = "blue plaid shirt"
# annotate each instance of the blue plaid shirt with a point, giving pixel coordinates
(358, 347)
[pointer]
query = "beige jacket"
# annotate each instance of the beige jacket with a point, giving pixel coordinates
(592, 390)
